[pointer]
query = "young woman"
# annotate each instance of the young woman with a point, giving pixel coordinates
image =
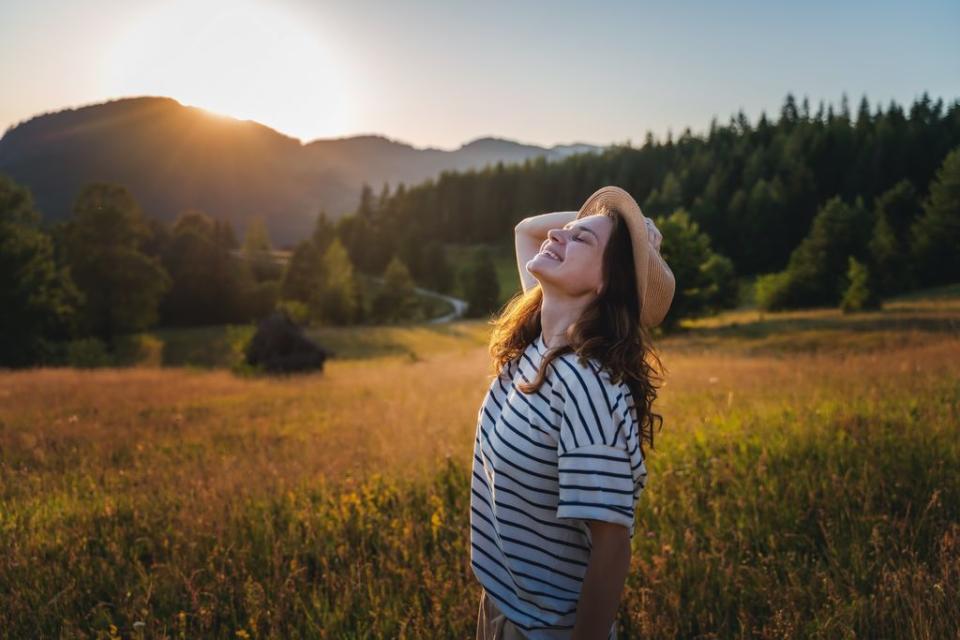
(558, 458)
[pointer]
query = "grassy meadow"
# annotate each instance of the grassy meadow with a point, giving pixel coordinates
(806, 483)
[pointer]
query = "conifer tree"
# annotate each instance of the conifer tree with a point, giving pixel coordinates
(37, 295)
(324, 232)
(397, 300)
(337, 300)
(935, 237)
(303, 276)
(858, 295)
(122, 286)
(207, 283)
(257, 238)
(480, 286)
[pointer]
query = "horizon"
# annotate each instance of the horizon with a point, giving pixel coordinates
(440, 77)
(671, 131)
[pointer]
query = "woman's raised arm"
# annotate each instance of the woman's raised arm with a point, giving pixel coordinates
(530, 233)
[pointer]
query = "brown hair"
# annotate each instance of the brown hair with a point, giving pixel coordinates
(608, 330)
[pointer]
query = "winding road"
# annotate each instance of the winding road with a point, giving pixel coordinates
(459, 306)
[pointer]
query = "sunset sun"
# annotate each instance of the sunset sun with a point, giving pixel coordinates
(242, 59)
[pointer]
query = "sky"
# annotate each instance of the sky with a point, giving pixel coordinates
(440, 74)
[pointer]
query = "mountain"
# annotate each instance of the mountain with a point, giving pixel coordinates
(173, 157)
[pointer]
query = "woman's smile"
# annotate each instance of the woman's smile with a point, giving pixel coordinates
(549, 251)
(550, 254)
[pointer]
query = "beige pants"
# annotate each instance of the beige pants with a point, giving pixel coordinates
(492, 624)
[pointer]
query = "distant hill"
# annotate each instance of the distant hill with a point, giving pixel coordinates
(173, 157)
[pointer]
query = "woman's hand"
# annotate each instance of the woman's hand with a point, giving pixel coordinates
(653, 233)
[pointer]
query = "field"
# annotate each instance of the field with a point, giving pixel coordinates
(806, 483)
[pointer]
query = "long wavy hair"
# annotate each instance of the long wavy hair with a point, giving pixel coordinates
(608, 330)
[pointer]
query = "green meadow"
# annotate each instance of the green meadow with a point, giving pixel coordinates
(805, 484)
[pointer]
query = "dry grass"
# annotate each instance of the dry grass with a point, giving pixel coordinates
(805, 484)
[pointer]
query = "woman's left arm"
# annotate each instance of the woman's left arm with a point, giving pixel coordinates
(603, 582)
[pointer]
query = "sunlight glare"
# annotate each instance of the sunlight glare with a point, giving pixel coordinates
(243, 59)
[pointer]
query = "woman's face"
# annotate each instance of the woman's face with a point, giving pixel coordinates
(579, 246)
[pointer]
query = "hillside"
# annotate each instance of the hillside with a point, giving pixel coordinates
(173, 157)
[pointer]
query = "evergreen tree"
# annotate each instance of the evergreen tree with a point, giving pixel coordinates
(384, 200)
(37, 295)
(410, 252)
(208, 285)
(480, 285)
(788, 113)
(814, 272)
(257, 251)
(859, 295)
(337, 302)
(900, 206)
(224, 235)
(303, 277)
(367, 208)
(257, 238)
(720, 290)
(324, 232)
(935, 237)
(397, 301)
(122, 286)
(196, 221)
(705, 281)
(888, 261)
(437, 274)
(666, 199)
(157, 238)
(362, 242)
(864, 118)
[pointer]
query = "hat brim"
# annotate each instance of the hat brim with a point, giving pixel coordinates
(645, 257)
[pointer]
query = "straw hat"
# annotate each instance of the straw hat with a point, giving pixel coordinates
(655, 281)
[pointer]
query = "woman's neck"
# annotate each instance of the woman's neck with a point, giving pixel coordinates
(557, 318)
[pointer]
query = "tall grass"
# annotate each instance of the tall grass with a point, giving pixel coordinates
(793, 492)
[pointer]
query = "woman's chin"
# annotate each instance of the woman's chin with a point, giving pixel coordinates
(542, 262)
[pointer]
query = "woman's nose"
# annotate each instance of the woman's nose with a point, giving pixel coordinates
(555, 234)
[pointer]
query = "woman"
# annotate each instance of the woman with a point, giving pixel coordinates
(559, 458)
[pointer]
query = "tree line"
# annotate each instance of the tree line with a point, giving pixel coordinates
(788, 200)
(109, 271)
(823, 208)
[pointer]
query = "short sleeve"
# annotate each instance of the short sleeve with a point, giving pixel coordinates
(597, 473)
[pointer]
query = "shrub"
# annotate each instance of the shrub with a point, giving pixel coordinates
(770, 290)
(298, 311)
(238, 339)
(141, 349)
(859, 293)
(88, 353)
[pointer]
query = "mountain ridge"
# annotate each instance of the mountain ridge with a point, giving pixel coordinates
(174, 157)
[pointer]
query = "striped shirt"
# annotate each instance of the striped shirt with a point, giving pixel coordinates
(543, 464)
